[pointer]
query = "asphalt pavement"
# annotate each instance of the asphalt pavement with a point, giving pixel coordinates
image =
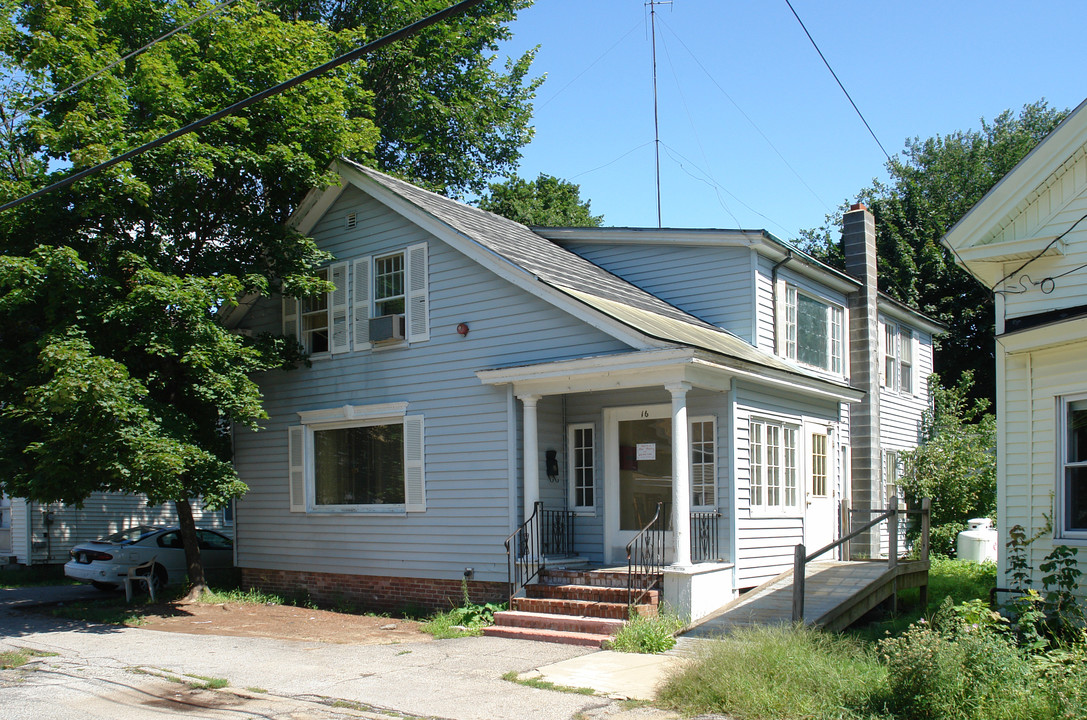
(103, 671)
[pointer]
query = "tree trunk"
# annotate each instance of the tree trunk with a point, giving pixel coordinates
(197, 584)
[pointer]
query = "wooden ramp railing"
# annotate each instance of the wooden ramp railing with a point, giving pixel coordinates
(892, 516)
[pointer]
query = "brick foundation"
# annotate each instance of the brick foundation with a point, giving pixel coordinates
(373, 592)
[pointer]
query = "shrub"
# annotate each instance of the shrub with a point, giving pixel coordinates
(652, 634)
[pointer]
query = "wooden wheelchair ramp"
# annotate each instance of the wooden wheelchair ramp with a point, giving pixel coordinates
(837, 594)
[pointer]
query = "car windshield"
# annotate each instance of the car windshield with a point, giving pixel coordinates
(130, 535)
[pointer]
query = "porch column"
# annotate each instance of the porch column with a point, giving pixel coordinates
(681, 474)
(531, 460)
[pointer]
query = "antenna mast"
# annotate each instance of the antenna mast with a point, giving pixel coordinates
(656, 122)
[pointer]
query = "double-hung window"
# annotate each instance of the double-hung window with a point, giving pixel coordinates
(357, 458)
(320, 321)
(582, 456)
(394, 288)
(814, 331)
(774, 472)
(897, 358)
(1072, 464)
(703, 463)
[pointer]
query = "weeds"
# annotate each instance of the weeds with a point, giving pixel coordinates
(541, 684)
(467, 620)
(648, 634)
(11, 659)
(202, 682)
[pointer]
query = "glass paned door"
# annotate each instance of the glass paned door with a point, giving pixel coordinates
(645, 472)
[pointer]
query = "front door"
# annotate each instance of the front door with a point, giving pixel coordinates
(821, 513)
(638, 474)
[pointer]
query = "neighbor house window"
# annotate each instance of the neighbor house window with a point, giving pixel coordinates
(774, 467)
(897, 358)
(813, 331)
(703, 463)
(892, 471)
(1073, 466)
(582, 442)
(357, 457)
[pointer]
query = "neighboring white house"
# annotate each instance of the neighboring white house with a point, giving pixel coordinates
(1027, 241)
(42, 533)
(467, 367)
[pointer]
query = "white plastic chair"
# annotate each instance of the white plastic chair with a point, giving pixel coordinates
(147, 578)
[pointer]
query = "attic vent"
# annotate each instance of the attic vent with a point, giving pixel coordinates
(351, 220)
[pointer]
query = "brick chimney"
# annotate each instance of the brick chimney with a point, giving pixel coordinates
(859, 248)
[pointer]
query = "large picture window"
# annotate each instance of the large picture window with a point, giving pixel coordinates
(774, 476)
(813, 331)
(357, 458)
(359, 465)
(1073, 465)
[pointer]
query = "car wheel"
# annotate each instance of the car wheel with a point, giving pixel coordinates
(104, 587)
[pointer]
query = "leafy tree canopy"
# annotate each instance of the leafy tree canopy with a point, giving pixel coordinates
(955, 465)
(116, 369)
(548, 201)
(932, 184)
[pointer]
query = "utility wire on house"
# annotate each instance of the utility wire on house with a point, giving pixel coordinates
(355, 54)
(1046, 288)
(134, 53)
(746, 117)
(825, 62)
(589, 67)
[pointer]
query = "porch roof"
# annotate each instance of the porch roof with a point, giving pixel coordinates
(652, 368)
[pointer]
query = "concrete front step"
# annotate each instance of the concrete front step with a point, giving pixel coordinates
(542, 635)
(590, 593)
(565, 623)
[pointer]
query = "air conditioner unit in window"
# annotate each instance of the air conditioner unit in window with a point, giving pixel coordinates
(386, 328)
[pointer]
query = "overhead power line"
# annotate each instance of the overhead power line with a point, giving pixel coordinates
(117, 62)
(355, 54)
(825, 62)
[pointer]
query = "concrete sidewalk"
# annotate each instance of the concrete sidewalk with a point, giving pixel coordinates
(458, 679)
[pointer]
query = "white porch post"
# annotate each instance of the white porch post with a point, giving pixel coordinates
(531, 458)
(681, 474)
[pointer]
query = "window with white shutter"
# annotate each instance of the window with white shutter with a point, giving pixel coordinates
(296, 467)
(414, 476)
(360, 312)
(418, 322)
(338, 310)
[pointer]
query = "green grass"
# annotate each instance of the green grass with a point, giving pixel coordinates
(648, 634)
(959, 580)
(252, 596)
(534, 682)
(203, 682)
(446, 625)
(778, 672)
(105, 612)
(10, 659)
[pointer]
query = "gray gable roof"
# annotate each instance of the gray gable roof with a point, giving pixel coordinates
(577, 277)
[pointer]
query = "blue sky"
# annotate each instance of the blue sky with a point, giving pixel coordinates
(755, 132)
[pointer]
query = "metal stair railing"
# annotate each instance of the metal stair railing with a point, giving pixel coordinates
(645, 558)
(525, 552)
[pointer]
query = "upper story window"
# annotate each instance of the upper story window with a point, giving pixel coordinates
(1072, 462)
(814, 331)
(898, 358)
(379, 300)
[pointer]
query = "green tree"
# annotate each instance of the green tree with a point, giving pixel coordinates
(548, 201)
(932, 184)
(448, 118)
(955, 464)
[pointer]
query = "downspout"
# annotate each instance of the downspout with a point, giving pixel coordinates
(774, 296)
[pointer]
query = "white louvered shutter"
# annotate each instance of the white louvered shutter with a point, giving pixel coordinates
(290, 316)
(360, 310)
(414, 478)
(296, 460)
(881, 348)
(418, 289)
(338, 310)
